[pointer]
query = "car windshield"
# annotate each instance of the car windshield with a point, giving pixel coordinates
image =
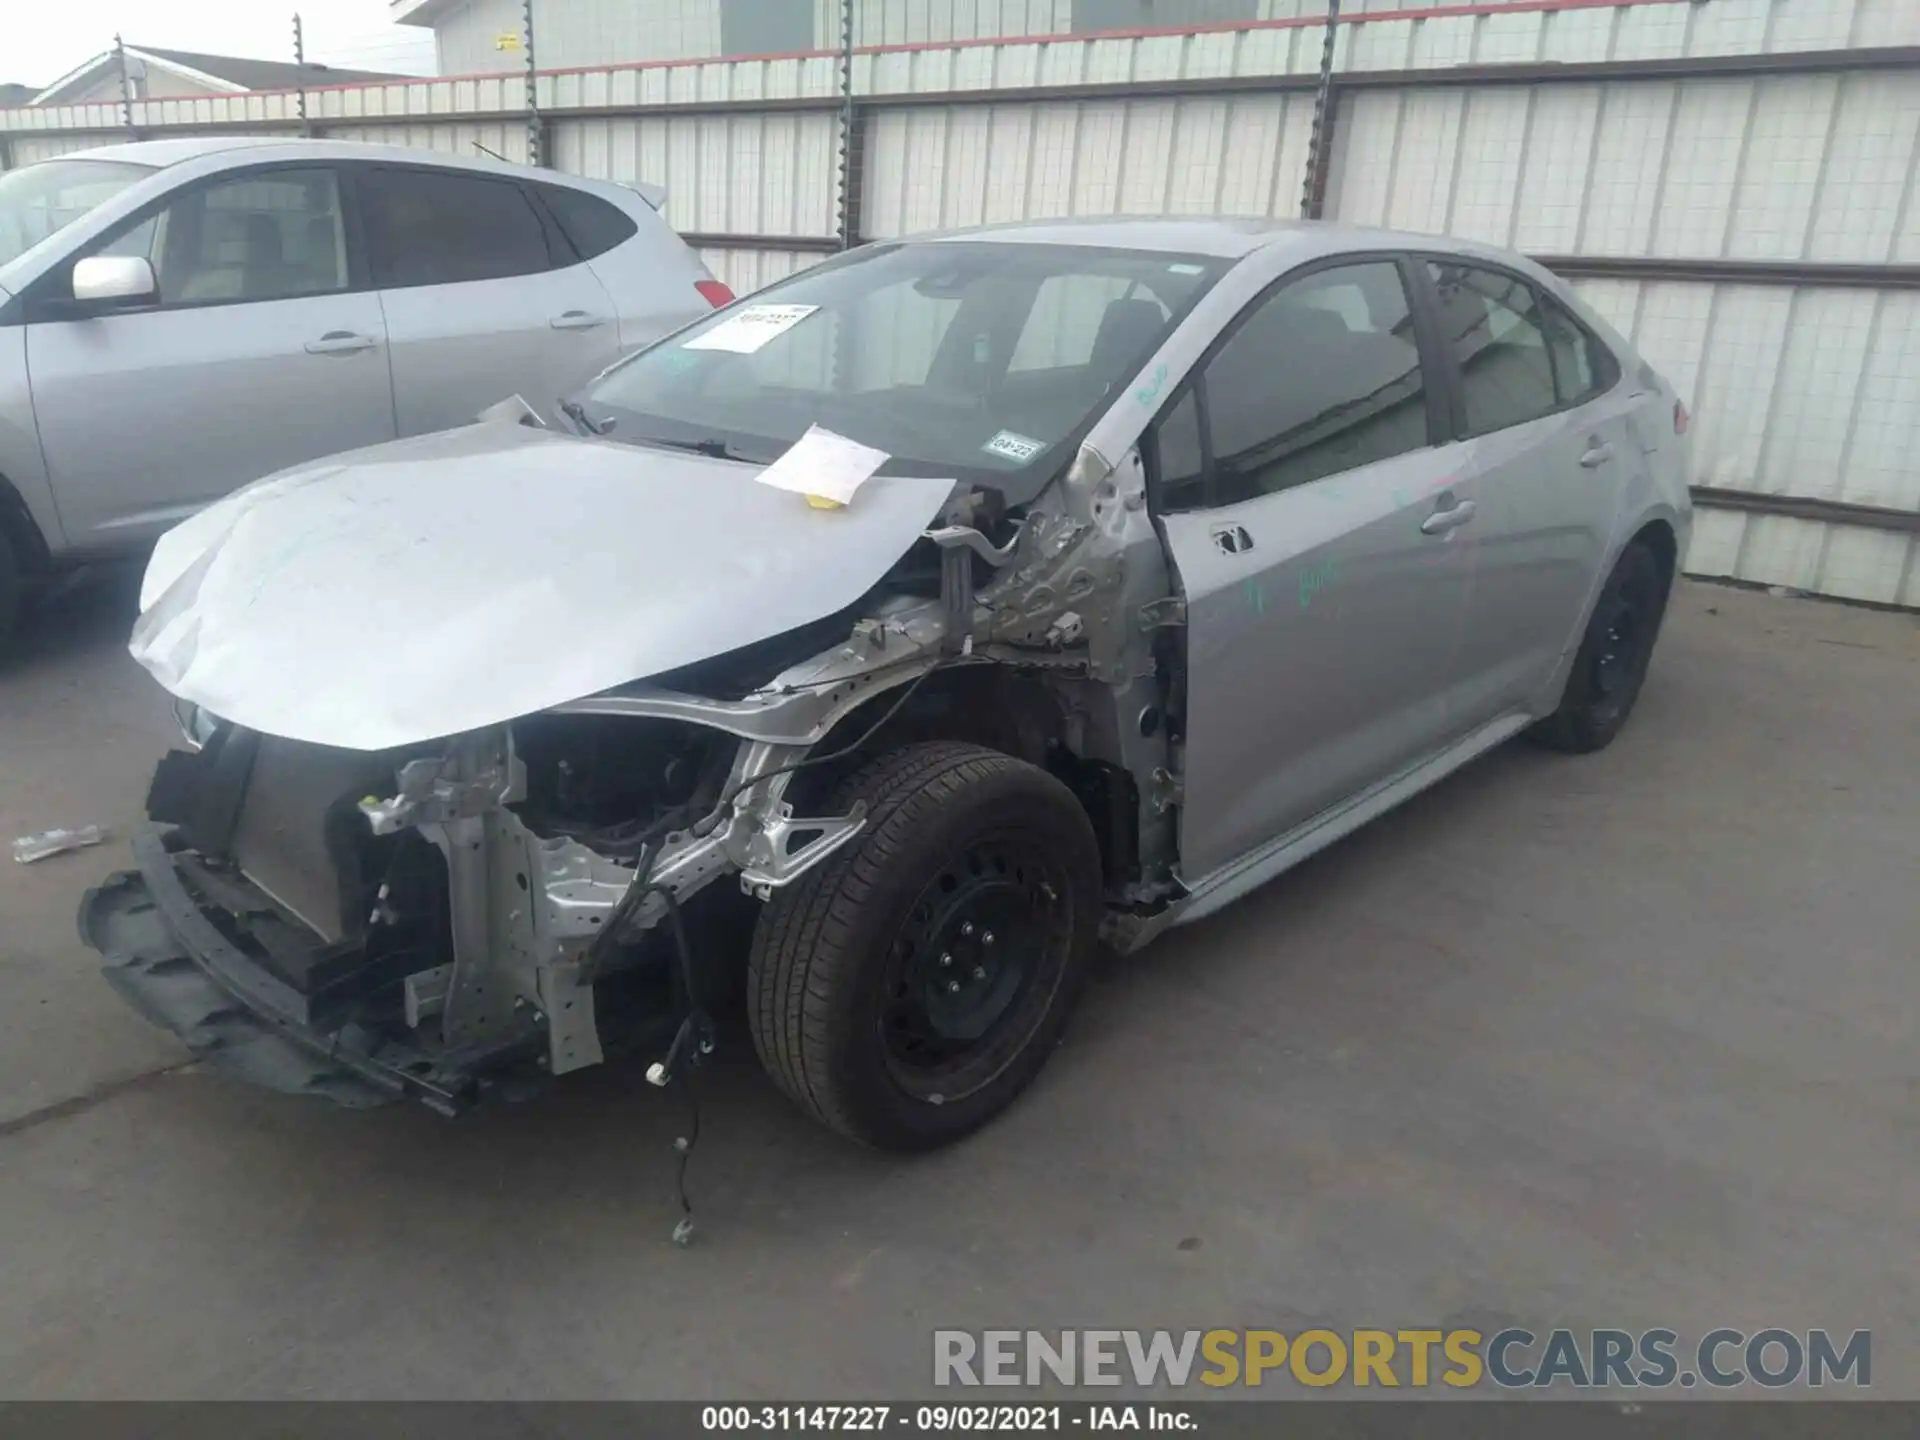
(41, 200)
(981, 360)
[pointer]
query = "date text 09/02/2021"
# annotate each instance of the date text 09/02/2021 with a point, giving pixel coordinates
(942, 1419)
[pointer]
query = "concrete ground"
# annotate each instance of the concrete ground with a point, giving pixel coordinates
(1628, 1040)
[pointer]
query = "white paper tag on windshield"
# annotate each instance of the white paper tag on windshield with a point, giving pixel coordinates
(823, 464)
(750, 327)
(1013, 447)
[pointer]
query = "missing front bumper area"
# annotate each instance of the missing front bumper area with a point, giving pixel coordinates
(171, 963)
(492, 975)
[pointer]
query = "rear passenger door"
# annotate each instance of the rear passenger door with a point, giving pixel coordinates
(1545, 434)
(484, 295)
(1296, 479)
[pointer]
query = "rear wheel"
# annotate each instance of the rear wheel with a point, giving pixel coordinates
(906, 990)
(1611, 664)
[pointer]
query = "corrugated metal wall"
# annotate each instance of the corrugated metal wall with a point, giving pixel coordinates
(1797, 390)
(577, 32)
(1742, 220)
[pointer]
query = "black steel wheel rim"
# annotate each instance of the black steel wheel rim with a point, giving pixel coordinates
(1624, 627)
(974, 967)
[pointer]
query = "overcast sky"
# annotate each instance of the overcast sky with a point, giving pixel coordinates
(44, 39)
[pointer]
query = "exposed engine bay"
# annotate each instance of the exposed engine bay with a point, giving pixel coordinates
(446, 917)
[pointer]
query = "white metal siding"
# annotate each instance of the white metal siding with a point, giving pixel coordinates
(724, 174)
(30, 149)
(949, 166)
(577, 32)
(745, 271)
(1810, 391)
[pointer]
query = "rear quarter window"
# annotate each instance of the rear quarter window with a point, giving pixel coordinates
(592, 225)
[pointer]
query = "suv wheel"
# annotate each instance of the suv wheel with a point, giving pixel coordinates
(1611, 664)
(910, 986)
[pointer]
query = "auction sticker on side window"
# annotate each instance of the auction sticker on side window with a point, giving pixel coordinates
(750, 327)
(1013, 447)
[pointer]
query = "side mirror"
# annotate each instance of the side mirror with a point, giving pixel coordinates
(106, 279)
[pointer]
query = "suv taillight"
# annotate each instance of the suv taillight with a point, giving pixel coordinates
(714, 293)
(1680, 417)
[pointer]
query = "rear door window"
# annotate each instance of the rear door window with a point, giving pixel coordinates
(1582, 366)
(590, 223)
(439, 227)
(1491, 323)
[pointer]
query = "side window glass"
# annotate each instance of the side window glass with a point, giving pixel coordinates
(435, 227)
(267, 236)
(1492, 324)
(1323, 376)
(593, 225)
(1582, 366)
(1178, 457)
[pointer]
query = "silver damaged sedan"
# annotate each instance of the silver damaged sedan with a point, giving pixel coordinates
(872, 649)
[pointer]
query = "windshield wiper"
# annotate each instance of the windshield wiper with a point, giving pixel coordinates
(577, 413)
(718, 449)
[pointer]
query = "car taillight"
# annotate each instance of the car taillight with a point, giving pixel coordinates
(1680, 417)
(714, 293)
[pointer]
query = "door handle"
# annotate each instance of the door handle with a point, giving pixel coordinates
(576, 320)
(1232, 540)
(1451, 518)
(340, 342)
(1598, 453)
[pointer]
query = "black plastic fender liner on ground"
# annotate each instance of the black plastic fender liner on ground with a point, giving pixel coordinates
(174, 967)
(152, 972)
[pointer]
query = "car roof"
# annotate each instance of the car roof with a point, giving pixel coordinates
(161, 153)
(1227, 237)
(164, 153)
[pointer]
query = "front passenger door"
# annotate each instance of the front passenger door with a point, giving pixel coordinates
(1298, 488)
(260, 351)
(483, 295)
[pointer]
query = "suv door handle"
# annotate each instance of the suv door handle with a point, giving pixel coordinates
(1451, 518)
(1232, 540)
(340, 342)
(576, 320)
(1598, 453)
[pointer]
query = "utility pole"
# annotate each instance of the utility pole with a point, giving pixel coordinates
(300, 61)
(533, 88)
(848, 119)
(126, 88)
(1313, 193)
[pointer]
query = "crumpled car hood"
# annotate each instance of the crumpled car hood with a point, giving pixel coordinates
(435, 585)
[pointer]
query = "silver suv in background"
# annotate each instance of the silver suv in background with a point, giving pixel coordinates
(180, 317)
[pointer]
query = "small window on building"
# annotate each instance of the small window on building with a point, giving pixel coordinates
(1094, 15)
(766, 27)
(591, 224)
(436, 227)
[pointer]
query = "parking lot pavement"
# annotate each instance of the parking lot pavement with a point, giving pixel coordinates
(1626, 1040)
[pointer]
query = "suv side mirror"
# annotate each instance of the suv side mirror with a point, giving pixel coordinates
(114, 279)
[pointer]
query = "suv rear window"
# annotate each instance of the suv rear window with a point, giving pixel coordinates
(590, 223)
(435, 227)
